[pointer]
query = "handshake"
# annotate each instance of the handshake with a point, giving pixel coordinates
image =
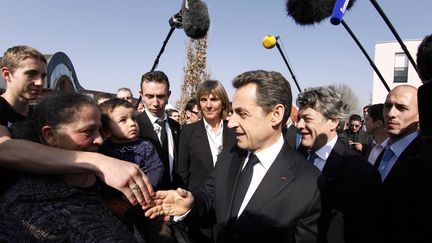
(169, 203)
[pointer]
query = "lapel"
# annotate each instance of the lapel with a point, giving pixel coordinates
(175, 132)
(333, 163)
(228, 136)
(147, 131)
(237, 160)
(407, 156)
(200, 134)
(275, 180)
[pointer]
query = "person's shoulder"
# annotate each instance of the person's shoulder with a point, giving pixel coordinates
(141, 116)
(354, 166)
(143, 142)
(298, 163)
(419, 149)
(191, 126)
(8, 115)
(173, 123)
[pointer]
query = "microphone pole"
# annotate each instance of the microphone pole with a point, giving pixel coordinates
(286, 63)
(175, 23)
(366, 55)
(396, 35)
(156, 61)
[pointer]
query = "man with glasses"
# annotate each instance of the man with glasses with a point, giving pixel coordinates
(356, 137)
(191, 111)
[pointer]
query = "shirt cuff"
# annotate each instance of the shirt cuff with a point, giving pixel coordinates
(181, 217)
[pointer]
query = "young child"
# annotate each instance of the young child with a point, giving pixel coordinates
(120, 131)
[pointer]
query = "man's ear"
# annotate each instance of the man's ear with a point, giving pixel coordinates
(49, 136)
(334, 123)
(277, 114)
(379, 123)
(5, 73)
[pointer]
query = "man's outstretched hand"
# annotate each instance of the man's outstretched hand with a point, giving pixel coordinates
(170, 203)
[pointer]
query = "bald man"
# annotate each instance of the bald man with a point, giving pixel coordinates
(405, 169)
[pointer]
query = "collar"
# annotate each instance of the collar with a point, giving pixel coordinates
(209, 128)
(324, 152)
(152, 118)
(399, 146)
(383, 144)
(268, 155)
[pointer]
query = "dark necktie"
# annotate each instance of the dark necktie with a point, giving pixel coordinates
(163, 133)
(163, 140)
(244, 180)
(312, 156)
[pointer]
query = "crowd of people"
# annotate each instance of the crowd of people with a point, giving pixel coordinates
(76, 168)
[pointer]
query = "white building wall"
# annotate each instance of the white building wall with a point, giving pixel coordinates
(385, 61)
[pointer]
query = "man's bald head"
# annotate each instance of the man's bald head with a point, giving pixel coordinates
(401, 112)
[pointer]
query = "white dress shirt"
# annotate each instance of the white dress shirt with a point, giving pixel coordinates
(266, 157)
(376, 150)
(323, 153)
(215, 139)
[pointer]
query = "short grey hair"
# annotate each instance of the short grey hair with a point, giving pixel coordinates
(325, 99)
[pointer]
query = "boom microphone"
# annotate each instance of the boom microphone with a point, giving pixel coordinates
(339, 11)
(310, 12)
(269, 41)
(195, 18)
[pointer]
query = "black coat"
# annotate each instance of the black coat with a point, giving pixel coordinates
(284, 208)
(195, 161)
(407, 196)
(147, 131)
(349, 187)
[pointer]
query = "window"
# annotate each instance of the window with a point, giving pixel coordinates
(400, 68)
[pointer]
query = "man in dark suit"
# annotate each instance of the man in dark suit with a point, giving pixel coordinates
(260, 190)
(155, 125)
(349, 185)
(291, 134)
(405, 167)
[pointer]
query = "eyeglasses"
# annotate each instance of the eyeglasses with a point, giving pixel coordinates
(195, 112)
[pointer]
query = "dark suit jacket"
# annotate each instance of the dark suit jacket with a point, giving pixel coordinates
(284, 208)
(349, 187)
(147, 131)
(407, 197)
(290, 135)
(195, 161)
(424, 95)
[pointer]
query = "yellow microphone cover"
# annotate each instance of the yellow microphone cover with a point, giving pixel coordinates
(269, 41)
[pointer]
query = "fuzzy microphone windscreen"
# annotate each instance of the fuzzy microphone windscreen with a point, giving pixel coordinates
(310, 12)
(195, 18)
